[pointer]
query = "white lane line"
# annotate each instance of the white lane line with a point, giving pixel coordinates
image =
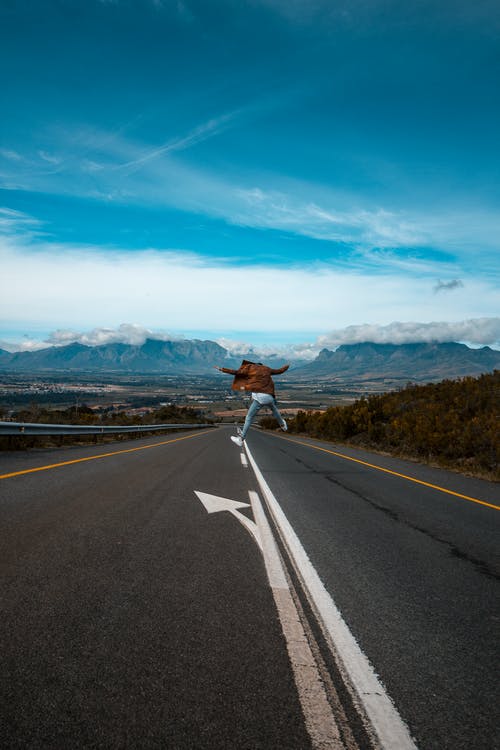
(377, 710)
(244, 459)
(318, 715)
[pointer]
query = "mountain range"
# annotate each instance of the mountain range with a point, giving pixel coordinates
(153, 356)
(365, 361)
(416, 362)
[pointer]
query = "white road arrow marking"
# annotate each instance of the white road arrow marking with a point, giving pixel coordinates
(319, 717)
(215, 504)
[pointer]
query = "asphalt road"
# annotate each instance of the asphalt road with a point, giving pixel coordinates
(414, 571)
(132, 618)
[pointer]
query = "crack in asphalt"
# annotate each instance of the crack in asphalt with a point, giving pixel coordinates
(481, 566)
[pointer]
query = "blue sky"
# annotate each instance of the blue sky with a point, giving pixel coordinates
(279, 173)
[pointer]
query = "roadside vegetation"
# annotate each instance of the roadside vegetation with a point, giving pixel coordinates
(454, 423)
(83, 415)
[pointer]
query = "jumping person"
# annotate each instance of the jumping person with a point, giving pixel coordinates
(255, 377)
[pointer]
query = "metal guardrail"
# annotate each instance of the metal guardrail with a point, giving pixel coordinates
(33, 428)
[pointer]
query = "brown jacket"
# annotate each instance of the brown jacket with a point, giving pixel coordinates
(254, 377)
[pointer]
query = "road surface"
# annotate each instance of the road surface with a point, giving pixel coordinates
(132, 617)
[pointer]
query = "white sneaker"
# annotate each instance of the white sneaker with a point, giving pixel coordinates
(239, 432)
(284, 426)
(237, 440)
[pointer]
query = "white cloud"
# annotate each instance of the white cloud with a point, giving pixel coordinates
(483, 331)
(180, 291)
(26, 344)
(82, 288)
(125, 333)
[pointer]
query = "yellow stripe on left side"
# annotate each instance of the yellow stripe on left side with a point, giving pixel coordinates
(101, 455)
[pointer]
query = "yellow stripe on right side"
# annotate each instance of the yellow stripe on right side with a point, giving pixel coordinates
(396, 474)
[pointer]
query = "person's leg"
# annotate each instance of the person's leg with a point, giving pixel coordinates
(278, 416)
(252, 411)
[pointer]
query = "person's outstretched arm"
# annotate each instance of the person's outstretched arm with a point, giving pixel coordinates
(281, 369)
(226, 369)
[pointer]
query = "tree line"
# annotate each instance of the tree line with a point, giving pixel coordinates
(454, 423)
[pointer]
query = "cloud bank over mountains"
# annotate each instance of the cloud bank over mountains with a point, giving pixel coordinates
(126, 333)
(475, 332)
(479, 331)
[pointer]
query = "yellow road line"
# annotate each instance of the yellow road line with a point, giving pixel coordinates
(395, 473)
(100, 455)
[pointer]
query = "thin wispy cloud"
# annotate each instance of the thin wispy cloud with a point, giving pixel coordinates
(10, 154)
(49, 157)
(164, 179)
(209, 129)
(17, 225)
(359, 227)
